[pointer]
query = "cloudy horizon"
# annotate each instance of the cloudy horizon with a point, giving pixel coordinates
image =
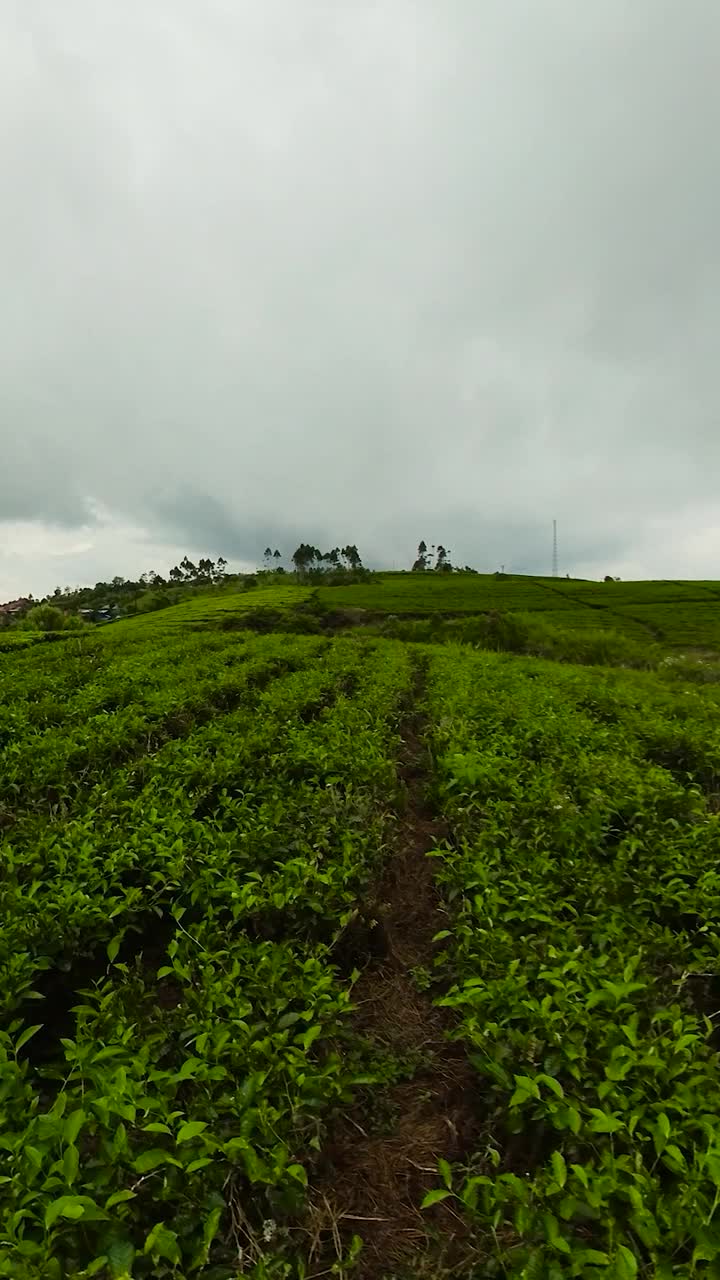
(365, 272)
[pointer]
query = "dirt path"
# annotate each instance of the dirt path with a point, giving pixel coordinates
(381, 1157)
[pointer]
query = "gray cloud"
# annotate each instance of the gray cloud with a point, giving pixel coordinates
(218, 529)
(368, 271)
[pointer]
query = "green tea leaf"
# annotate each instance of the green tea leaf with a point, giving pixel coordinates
(604, 1123)
(163, 1243)
(288, 1020)
(121, 1255)
(71, 1207)
(661, 1133)
(119, 1197)
(559, 1168)
(71, 1161)
(210, 1229)
(525, 1089)
(554, 1237)
(73, 1125)
(153, 1159)
(27, 1034)
(190, 1130)
(311, 1036)
(625, 1264)
(552, 1084)
(434, 1197)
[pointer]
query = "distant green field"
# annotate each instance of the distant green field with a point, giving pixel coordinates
(693, 625)
(451, 593)
(583, 618)
(676, 613)
(610, 594)
(210, 609)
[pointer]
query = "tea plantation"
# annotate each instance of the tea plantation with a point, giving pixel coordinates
(677, 613)
(330, 946)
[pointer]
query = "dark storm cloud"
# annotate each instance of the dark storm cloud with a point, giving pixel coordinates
(371, 271)
(200, 520)
(34, 481)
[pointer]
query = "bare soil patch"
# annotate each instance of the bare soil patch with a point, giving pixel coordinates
(381, 1157)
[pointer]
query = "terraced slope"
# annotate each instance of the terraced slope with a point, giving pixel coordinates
(680, 614)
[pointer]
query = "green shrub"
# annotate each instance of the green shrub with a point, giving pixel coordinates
(45, 617)
(527, 633)
(150, 601)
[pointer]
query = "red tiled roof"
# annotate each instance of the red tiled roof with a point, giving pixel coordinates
(12, 605)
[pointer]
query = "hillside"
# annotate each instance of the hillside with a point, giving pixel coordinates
(331, 948)
(678, 613)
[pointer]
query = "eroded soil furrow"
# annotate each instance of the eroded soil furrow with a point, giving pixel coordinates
(381, 1156)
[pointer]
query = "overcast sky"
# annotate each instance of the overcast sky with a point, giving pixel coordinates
(344, 270)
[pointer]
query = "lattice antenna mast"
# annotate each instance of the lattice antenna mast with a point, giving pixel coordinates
(555, 555)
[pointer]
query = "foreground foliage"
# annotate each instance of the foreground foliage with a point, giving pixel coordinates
(582, 876)
(190, 818)
(176, 869)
